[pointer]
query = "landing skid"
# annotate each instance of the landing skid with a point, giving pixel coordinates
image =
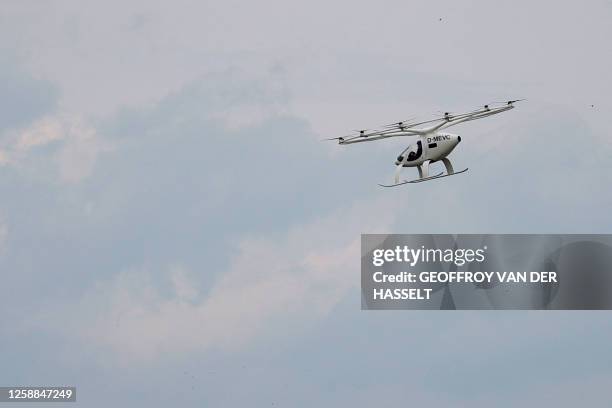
(437, 176)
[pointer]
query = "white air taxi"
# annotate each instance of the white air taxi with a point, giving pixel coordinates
(431, 146)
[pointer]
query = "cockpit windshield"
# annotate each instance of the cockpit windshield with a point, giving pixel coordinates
(414, 151)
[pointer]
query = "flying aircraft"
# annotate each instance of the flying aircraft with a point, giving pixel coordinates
(432, 143)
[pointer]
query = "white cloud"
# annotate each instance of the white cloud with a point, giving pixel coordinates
(79, 153)
(77, 146)
(300, 275)
(184, 285)
(40, 133)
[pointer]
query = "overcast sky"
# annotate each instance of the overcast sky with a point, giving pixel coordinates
(174, 232)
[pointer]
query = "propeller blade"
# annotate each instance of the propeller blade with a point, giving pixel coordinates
(510, 102)
(403, 123)
(337, 138)
(362, 132)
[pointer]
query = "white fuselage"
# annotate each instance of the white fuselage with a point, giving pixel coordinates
(430, 146)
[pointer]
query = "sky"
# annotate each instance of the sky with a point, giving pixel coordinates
(174, 231)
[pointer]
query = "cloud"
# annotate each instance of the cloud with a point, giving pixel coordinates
(74, 147)
(215, 186)
(183, 187)
(30, 123)
(40, 133)
(23, 97)
(77, 157)
(299, 275)
(184, 287)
